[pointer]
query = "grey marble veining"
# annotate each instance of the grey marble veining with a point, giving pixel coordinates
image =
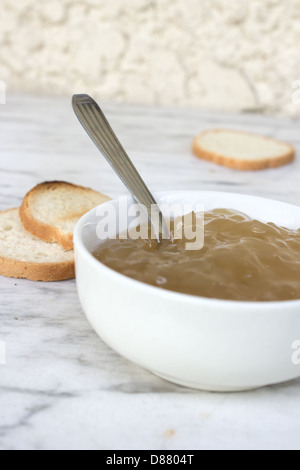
(62, 386)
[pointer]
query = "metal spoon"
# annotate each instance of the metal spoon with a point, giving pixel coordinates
(98, 128)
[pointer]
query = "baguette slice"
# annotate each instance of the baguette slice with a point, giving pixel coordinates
(51, 210)
(242, 150)
(25, 257)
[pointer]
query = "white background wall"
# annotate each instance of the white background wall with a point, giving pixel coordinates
(217, 54)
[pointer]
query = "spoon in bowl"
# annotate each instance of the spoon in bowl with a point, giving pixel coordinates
(98, 128)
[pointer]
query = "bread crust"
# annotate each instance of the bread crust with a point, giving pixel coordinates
(46, 232)
(245, 165)
(45, 272)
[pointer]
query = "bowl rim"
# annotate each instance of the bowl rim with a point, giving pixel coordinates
(165, 293)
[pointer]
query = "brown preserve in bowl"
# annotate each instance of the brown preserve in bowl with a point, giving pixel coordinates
(242, 259)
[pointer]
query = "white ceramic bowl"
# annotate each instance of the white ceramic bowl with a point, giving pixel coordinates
(209, 344)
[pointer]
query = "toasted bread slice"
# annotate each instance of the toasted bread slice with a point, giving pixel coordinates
(242, 150)
(26, 257)
(51, 210)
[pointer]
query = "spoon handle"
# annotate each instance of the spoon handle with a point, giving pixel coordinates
(98, 128)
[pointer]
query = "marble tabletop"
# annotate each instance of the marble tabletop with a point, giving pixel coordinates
(62, 387)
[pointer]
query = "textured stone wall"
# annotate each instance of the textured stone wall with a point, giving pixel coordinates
(217, 54)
